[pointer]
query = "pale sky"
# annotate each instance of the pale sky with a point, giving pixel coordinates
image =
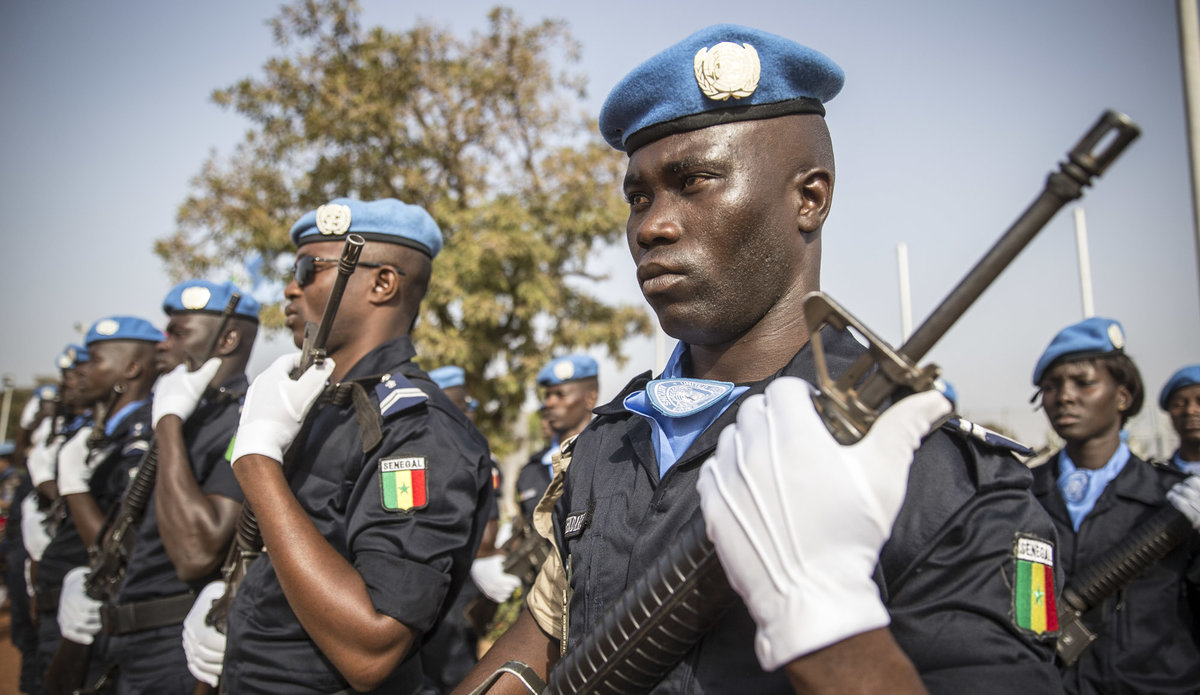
(952, 115)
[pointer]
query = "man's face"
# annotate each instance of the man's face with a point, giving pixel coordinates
(712, 228)
(307, 303)
(105, 368)
(568, 407)
(71, 383)
(1081, 400)
(188, 338)
(1184, 408)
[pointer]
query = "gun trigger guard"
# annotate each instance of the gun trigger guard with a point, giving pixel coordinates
(848, 412)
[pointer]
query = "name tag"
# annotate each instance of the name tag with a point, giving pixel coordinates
(576, 522)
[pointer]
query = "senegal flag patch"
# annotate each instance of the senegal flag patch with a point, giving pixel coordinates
(402, 483)
(1033, 599)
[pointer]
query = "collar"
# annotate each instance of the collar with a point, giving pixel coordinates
(1189, 467)
(384, 358)
(114, 421)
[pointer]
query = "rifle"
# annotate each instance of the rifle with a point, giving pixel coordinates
(1146, 545)
(110, 558)
(667, 611)
(247, 545)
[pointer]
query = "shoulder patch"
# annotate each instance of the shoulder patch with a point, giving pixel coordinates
(1034, 606)
(402, 483)
(397, 394)
(982, 434)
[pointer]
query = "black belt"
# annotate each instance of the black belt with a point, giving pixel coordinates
(124, 618)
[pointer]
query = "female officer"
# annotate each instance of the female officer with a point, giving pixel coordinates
(1097, 492)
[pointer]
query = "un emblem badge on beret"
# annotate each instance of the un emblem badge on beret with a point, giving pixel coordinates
(333, 219)
(727, 70)
(65, 361)
(564, 370)
(1115, 336)
(195, 298)
(107, 327)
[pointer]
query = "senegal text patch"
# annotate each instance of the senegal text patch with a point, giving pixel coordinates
(1033, 591)
(402, 483)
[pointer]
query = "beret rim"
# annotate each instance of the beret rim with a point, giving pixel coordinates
(212, 312)
(733, 114)
(367, 236)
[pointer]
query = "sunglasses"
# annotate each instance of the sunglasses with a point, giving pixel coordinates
(305, 270)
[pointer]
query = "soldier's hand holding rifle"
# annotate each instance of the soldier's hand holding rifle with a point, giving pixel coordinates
(798, 519)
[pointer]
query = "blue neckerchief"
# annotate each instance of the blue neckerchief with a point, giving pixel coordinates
(1080, 487)
(673, 434)
(1189, 467)
(547, 458)
(115, 419)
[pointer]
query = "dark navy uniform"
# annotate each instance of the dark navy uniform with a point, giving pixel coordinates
(532, 482)
(119, 454)
(947, 575)
(413, 560)
(1148, 633)
(150, 650)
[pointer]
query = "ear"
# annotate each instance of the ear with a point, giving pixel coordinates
(1124, 398)
(228, 342)
(814, 196)
(592, 396)
(386, 285)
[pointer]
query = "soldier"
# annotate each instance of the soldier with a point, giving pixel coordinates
(58, 418)
(1097, 492)
(729, 181)
(94, 468)
(1180, 397)
(371, 519)
(188, 521)
(571, 390)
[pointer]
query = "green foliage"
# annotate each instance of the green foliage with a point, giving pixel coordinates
(486, 133)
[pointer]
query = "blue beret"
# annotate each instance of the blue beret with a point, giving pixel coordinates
(71, 356)
(1184, 377)
(209, 298)
(123, 328)
(448, 376)
(567, 368)
(46, 392)
(387, 220)
(7, 448)
(720, 74)
(1089, 338)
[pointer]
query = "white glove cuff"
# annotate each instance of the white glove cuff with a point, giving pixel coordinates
(813, 617)
(71, 485)
(262, 438)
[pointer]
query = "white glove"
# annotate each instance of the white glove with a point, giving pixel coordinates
(489, 575)
(1185, 496)
(798, 520)
(42, 459)
(178, 391)
(33, 527)
(73, 469)
(275, 406)
(78, 613)
(30, 411)
(203, 645)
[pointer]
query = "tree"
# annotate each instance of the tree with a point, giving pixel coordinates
(487, 134)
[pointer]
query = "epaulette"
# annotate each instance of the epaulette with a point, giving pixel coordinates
(983, 434)
(140, 445)
(397, 394)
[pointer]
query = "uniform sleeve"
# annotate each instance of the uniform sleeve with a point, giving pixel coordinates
(951, 574)
(411, 516)
(220, 479)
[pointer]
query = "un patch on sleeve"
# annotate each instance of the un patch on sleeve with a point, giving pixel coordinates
(402, 483)
(1034, 606)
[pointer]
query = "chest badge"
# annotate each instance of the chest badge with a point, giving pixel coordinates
(1033, 591)
(402, 483)
(576, 523)
(683, 397)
